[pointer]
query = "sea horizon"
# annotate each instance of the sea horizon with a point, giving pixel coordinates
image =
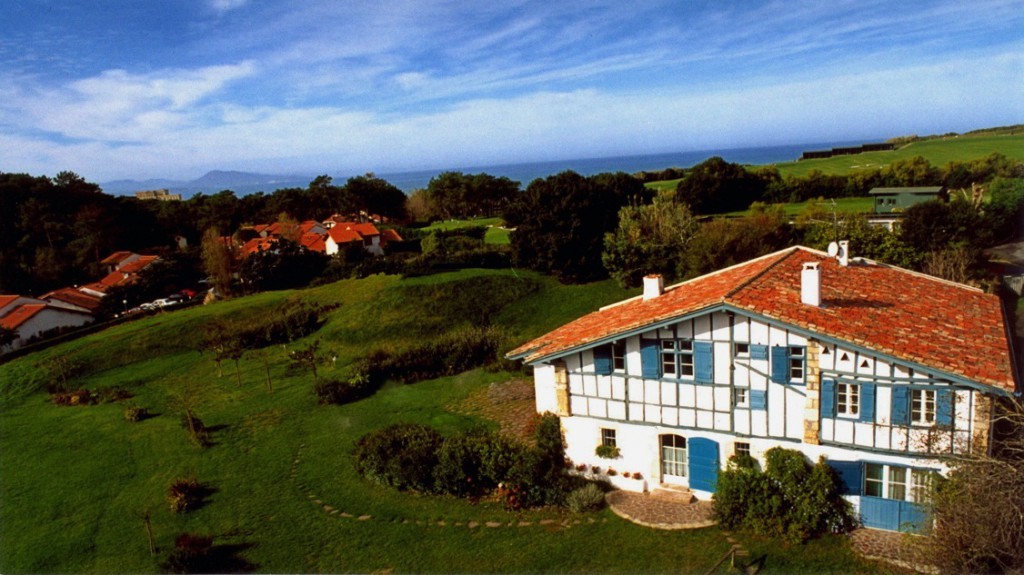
(525, 172)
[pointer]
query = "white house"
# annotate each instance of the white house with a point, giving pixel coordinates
(32, 319)
(342, 233)
(879, 369)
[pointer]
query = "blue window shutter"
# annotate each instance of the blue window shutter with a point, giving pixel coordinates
(703, 362)
(944, 407)
(852, 474)
(603, 360)
(758, 351)
(758, 399)
(828, 398)
(650, 363)
(901, 405)
(780, 364)
(867, 402)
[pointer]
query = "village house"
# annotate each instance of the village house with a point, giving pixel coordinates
(881, 370)
(31, 318)
(366, 234)
(890, 203)
(123, 268)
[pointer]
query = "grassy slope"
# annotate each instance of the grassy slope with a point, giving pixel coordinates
(73, 479)
(843, 206)
(495, 233)
(938, 152)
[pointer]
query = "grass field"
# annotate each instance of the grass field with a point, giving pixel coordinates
(496, 234)
(938, 152)
(75, 480)
(842, 206)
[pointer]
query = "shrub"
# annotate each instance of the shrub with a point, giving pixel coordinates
(197, 430)
(134, 414)
(185, 494)
(355, 387)
(607, 451)
(112, 394)
(584, 499)
(611, 472)
(191, 554)
(402, 456)
(76, 397)
(790, 499)
(450, 354)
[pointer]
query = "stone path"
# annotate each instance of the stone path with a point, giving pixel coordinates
(510, 403)
(900, 549)
(659, 512)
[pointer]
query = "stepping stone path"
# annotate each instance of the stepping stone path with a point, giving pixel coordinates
(660, 511)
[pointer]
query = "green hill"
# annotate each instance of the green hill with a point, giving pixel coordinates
(283, 495)
(938, 152)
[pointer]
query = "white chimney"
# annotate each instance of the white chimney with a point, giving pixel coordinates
(844, 253)
(654, 286)
(810, 284)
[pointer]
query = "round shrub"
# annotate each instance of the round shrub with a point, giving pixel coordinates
(184, 494)
(402, 456)
(584, 499)
(134, 414)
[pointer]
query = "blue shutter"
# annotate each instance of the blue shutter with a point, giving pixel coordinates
(758, 399)
(901, 405)
(703, 362)
(828, 398)
(944, 407)
(852, 473)
(758, 351)
(780, 364)
(650, 362)
(603, 360)
(867, 402)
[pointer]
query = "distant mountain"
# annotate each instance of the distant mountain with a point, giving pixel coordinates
(241, 183)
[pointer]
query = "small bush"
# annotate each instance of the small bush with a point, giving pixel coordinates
(607, 451)
(134, 414)
(450, 354)
(198, 432)
(402, 456)
(191, 554)
(185, 494)
(112, 394)
(337, 392)
(611, 472)
(76, 397)
(584, 499)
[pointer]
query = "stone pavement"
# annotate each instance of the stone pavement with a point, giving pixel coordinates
(660, 512)
(510, 403)
(900, 549)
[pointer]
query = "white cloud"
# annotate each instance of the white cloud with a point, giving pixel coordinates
(222, 6)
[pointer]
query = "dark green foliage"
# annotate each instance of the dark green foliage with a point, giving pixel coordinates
(473, 463)
(872, 242)
(649, 240)
(286, 265)
(561, 221)
(451, 353)
(607, 451)
(191, 554)
(790, 499)
(715, 186)
(457, 195)
(402, 456)
(721, 243)
(584, 499)
(76, 397)
(339, 392)
(135, 414)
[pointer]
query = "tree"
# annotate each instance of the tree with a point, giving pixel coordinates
(716, 186)
(721, 242)
(377, 196)
(979, 507)
(309, 357)
(459, 195)
(217, 261)
(286, 265)
(649, 240)
(821, 228)
(561, 221)
(7, 336)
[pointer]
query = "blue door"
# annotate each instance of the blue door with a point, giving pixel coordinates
(703, 464)
(892, 514)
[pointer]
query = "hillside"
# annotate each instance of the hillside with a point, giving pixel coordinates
(283, 495)
(938, 151)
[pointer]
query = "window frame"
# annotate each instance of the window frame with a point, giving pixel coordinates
(741, 349)
(741, 448)
(618, 352)
(897, 482)
(609, 437)
(676, 357)
(847, 399)
(923, 407)
(797, 362)
(741, 397)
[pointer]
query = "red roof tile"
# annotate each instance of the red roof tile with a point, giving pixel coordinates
(74, 297)
(391, 236)
(6, 299)
(21, 314)
(909, 316)
(116, 257)
(313, 242)
(138, 265)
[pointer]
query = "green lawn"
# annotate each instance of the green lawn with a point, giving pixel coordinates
(842, 206)
(74, 481)
(938, 152)
(496, 234)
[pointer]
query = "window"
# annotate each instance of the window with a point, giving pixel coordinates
(619, 356)
(608, 437)
(677, 357)
(742, 350)
(796, 362)
(740, 397)
(895, 482)
(673, 455)
(922, 406)
(847, 399)
(742, 449)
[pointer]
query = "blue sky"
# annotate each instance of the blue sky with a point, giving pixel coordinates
(132, 89)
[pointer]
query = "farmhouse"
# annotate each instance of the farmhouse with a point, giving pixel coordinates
(33, 320)
(881, 370)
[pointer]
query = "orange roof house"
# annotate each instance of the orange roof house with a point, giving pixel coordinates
(70, 298)
(880, 370)
(32, 320)
(342, 233)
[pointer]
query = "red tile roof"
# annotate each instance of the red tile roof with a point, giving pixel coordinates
(21, 314)
(313, 242)
(116, 257)
(344, 232)
(138, 265)
(74, 297)
(257, 244)
(390, 236)
(912, 317)
(6, 299)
